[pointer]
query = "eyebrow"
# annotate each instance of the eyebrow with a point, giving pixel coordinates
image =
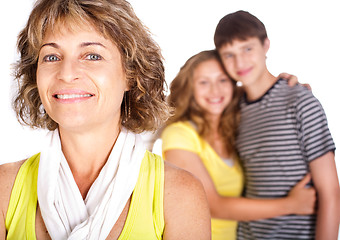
(226, 53)
(84, 44)
(50, 44)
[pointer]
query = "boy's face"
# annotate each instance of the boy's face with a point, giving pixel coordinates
(245, 60)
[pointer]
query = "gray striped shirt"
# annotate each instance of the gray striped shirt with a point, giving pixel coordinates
(278, 136)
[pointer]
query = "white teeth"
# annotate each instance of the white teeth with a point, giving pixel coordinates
(69, 96)
(215, 100)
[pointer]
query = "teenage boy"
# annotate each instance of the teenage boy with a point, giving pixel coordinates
(283, 135)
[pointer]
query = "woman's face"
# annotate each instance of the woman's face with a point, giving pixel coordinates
(80, 79)
(212, 88)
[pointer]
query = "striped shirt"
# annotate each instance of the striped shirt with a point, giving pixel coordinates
(279, 135)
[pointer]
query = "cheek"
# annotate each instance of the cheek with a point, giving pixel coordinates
(228, 65)
(41, 85)
(197, 96)
(259, 56)
(108, 77)
(198, 91)
(43, 75)
(112, 90)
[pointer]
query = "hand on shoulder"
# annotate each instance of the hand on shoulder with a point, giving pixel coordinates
(293, 80)
(186, 209)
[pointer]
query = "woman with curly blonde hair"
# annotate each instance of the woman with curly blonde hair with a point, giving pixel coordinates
(200, 138)
(90, 73)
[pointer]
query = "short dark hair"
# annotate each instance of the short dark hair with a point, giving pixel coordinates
(239, 25)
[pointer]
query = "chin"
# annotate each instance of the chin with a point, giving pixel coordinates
(73, 124)
(216, 113)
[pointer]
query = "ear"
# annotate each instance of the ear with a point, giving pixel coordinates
(266, 45)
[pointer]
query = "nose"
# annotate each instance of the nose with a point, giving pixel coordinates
(214, 88)
(68, 70)
(239, 61)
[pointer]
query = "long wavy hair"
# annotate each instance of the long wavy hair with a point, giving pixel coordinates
(116, 20)
(182, 99)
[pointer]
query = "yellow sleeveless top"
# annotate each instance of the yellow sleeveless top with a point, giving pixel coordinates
(145, 219)
(228, 180)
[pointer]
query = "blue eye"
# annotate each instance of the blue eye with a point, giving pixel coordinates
(202, 82)
(51, 58)
(228, 56)
(93, 57)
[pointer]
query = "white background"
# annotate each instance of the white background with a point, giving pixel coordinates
(304, 34)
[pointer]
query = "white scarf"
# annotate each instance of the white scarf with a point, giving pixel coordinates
(65, 213)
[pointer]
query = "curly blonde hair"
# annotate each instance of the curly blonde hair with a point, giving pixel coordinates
(116, 20)
(186, 108)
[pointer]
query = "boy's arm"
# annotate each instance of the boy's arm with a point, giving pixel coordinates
(326, 183)
(299, 201)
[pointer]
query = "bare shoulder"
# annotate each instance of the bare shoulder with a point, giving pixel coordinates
(186, 209)
(8, 172)
(180, 179)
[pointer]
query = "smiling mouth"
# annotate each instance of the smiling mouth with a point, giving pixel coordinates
(243, 72)
(215, 100)
(71, 96)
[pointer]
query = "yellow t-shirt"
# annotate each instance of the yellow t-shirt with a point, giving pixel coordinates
(145, 219)
(228, 180)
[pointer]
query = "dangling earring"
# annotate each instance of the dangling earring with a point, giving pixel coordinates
(42, 110)
(127, 109)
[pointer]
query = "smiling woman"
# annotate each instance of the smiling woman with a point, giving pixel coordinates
(95, 85)
(80, 83)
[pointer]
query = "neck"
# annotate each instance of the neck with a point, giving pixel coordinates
(87, 153)
(214, 138)
(260, 86)
(214, 122)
